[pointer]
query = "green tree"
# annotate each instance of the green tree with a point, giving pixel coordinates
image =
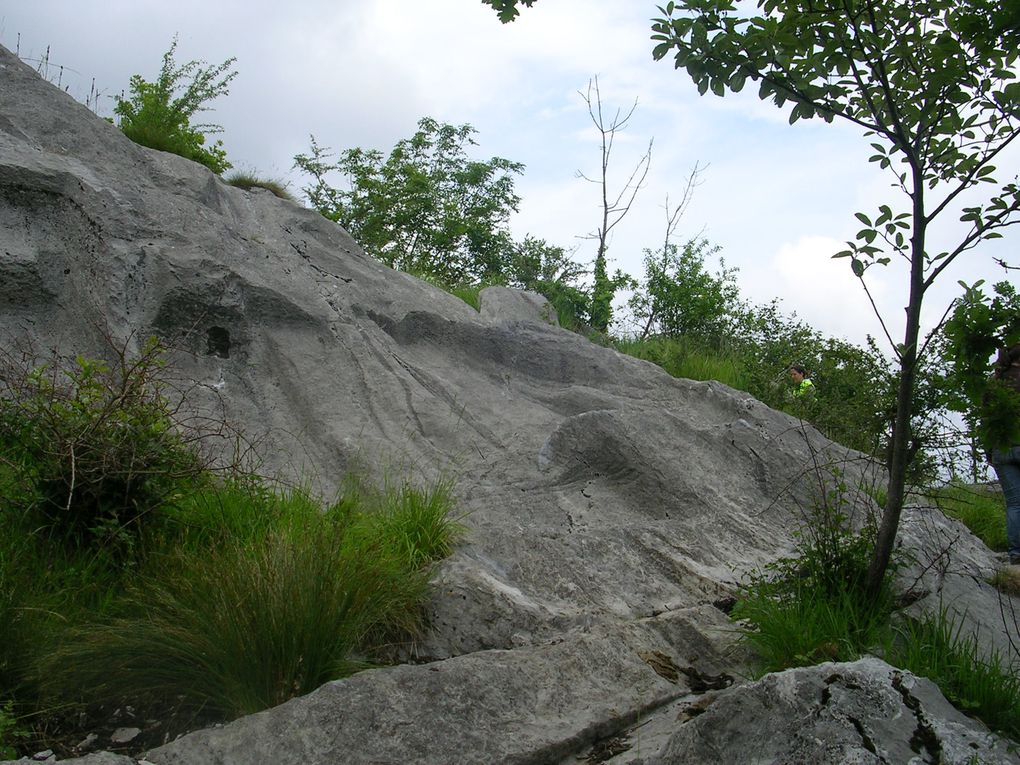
(427, 207)
(551, 271)
(980, 325)
(536, 262)
(158, 114)
(680, 297)
(939, 104)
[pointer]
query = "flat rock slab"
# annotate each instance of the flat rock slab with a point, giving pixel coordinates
(528, 705)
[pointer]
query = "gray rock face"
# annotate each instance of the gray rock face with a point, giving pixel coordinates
(596, 487)
(608, 504)
(537, 704)
(863, 712)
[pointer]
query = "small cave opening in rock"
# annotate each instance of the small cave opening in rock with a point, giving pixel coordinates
(218, 340)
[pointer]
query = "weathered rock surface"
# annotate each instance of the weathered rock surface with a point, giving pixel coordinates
(862, 712)
(609, 505)
(537, 704)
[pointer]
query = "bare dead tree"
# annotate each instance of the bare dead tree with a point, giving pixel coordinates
(673, 216)
(614, 207)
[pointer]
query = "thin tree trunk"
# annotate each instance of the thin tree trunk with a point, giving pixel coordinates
(901, 453)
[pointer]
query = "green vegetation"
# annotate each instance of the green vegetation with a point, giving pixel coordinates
(90, 452)
(132, 572)
(815, 606)
(706, 332)
(680, 298)
(9, 732)
(432, 211)
(690, 358)
(158, 114)
(933, 87)
(425, 208)
(235, 617)
(980, 510)
(251, 180)
(981, 685)
(979, 326)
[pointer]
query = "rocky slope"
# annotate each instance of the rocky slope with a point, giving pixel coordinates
(611, 508)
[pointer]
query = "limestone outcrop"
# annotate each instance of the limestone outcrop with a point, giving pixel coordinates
(611, 508)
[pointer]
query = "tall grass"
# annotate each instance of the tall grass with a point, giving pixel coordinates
(253, 608)
(983, 511)
(688, 359)
(415, 522)
(806, 625)
(982, 685)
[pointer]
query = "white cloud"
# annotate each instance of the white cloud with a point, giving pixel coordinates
(823, 291)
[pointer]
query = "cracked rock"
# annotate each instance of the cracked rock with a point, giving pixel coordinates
(860, 712)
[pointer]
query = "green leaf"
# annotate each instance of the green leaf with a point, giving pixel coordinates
(858, 267)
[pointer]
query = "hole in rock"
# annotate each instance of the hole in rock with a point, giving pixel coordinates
(218, 342)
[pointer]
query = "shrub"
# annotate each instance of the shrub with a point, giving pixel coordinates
(813, 606)
(159, 117)
(569, 302)
(89, 451)
(679, 297)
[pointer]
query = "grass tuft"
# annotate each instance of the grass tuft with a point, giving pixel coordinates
(980, 685)
(807, 626)
(251, 180)
(247, 615)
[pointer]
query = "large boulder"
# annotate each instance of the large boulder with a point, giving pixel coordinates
(861, 712)
(611, 509)
(595, 487)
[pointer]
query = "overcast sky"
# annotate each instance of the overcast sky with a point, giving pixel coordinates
(778, 200)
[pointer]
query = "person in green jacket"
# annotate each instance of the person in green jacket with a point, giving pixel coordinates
(805, 388)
